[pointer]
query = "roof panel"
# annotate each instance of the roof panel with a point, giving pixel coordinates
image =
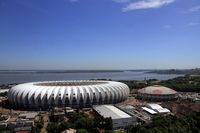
(111, 111)
(149, 110)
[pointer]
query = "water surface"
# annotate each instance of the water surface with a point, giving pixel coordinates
(31, 76)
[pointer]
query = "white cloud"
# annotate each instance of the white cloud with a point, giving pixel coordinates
(167, 26)
(145, 4)
(121, 1)
(193, 23)
(194, 9)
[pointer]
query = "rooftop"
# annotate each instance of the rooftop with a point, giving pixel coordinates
(149, 110)
(110, 111)
(70, 83)
(155, 108)
(28, 115)
(157, 90)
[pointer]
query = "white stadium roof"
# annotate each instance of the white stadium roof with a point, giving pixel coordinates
(77, 93)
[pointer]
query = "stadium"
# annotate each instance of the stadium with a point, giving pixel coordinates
(78, 94)
(157, 93)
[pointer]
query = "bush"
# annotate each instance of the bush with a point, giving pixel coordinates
(3, 94)
(82, 131)
(53, 127)
(2, 118)
(80, 121)
(38, 125)
(171, 124)
(57, 127)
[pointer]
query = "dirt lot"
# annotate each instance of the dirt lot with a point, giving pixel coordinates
(4, 110)
(182, 107)
(132, 101)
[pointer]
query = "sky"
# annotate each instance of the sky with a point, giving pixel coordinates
(99, 34)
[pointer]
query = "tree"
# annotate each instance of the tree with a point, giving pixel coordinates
(82, 131)
(108, 124)
(53, 127)
(38, 125)
(63, 125)
(171, 124)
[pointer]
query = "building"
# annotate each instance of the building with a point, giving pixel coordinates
(120, 119)
(22, 122)
(155, 109)
(79, 94)
(157, 93)
(30, 116)
(136, 113)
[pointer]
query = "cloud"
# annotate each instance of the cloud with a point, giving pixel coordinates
(167, 26)
(193, 23)
(146, 4)
(73, 0)
(194, 9)
(121, 1)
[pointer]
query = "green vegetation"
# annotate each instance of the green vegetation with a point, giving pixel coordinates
(38, 125)
(4, 86)
(133, 84)
(3, 94)
(183, 84)
(2, 118)
(81, 122)
(7, 86)
(186, 83)
(57, 127)
(82, 131)
(178, 71)
(171, 124)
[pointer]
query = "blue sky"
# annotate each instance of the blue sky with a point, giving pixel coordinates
(99, 34)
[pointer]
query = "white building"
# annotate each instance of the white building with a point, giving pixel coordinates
(120, 119)
(82, 93)
(155, 109)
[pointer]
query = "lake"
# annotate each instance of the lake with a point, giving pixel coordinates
(31, 76)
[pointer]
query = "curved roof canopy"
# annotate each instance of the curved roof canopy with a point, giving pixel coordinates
(157, 90)
(80, 93)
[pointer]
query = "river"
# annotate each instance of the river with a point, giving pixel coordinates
(31, 76)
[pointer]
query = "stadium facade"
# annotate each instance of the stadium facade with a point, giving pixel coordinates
(157, 93)
(81, 93)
